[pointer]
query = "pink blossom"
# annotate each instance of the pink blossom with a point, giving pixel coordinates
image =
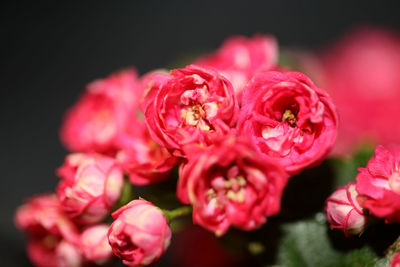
(344, 212)
(288, 119)
(361, 73)
(53, 238)
(94, 244)
(190, 106)
(240, 57)
(395, 262)
(379, 183)
(100, 116)
(230, 184)
(140, 233)
(42, 215)
(144, 160)
(90, 185)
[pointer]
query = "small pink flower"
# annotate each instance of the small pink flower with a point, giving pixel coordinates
(240, 57)
(68, 255)
(144, 160)
(50, 251)
(344, 212)
(90, 185)
(140, 233)
(42, 216)
(51, 234)
(395, 262)
(94, 244)
(230, 183)
(101, 115)
(189, 107)
(288, 119)
(379, 184)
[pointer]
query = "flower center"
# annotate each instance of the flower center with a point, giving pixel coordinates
(196, 111)
(231, 186)
(394, 182)
(290, 115)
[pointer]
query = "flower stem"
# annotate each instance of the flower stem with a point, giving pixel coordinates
(178, 212)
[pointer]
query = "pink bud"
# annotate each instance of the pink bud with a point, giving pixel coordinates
(90, 185)
(140, 233)
(94, 244)
(344, 212)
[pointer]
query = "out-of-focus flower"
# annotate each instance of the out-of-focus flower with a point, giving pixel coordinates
(53, 238)
(42, 216)
(101, 115)
(288, 119)
(190, 106)
(230, 183)
(344, 212)
(140, 233)
(361, 73)
(68, 255)
(395, 262)
(50, 251)
(143, 159)
(379, 184)
(94, 244)
(240, 57)
(89, 187)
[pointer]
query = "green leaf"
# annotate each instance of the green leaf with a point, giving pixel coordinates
(346, 170)
(307, 243)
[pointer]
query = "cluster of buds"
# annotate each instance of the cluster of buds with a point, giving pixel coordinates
(377, 190)
(235, 124)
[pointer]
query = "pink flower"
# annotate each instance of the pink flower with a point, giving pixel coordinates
(90, 185)
(94, 244)
(360, 72)
(240, 57)
(229, 183)
(42, 215)
(144, 160)
(189, 107)
(52, 236)
(395, 262)
(50, 251)
(344, 212)
(379, 184)
(140, 233)
(288, 119)
(101, 115)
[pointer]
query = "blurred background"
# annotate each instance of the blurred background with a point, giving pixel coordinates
(50, 51)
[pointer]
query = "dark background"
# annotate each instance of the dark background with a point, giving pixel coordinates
(51, 50)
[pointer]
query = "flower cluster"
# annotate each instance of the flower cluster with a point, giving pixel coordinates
(377, 190)
(235, 125)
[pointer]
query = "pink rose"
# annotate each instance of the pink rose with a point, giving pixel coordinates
(240, 57)
(101, 115)
(395, 262)
(144, 160)
(90, 185)
(344, 212)
(189, 107)
(379, 184)
(94, 244)
(360, 72)
(288, 119)
(140, 233)
(42, 216)
(229, 183)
